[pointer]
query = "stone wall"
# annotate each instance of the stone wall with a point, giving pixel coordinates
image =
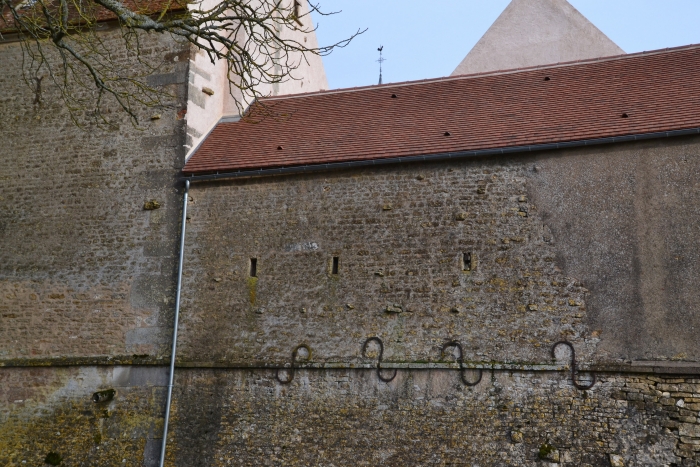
(349, 417)
(85, 270)
(625, 220)
(548, 235)
(594, 246)
(87, 274)
(343, 417)
(52, 410)
(400, 235)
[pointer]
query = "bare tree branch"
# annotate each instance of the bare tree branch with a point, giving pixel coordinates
(257, 39)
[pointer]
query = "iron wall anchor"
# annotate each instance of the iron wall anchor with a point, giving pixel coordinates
(379, 360)
(295, 352)
(460, 360)
(574, 369)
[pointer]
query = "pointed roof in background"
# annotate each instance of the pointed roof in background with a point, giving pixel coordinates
(536, 32)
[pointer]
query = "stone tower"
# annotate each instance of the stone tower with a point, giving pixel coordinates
(536, 32)
(209, 95)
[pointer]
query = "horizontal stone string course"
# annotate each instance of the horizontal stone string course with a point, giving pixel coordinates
(637, 368)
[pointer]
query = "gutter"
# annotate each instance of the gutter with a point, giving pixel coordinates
(438, 157)
(176, 320)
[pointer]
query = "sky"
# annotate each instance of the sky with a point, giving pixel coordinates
(427, 39)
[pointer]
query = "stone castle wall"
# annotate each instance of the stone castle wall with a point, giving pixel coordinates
(87, 275)
(51, 410)
(349, 417)
(594, 246)
(548, 236)
(400, 236)
(506, 255)
(345, 417)
(85, 270)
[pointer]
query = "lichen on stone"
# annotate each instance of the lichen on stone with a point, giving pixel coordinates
(151, 205)
(548, 452)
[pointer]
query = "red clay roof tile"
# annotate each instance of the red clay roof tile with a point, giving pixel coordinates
(659, 91)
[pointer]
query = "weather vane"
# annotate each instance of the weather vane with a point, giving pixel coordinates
(381, 60)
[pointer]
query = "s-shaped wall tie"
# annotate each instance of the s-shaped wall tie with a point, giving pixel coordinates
(295, 353)
(379, 359)
(574, 370)
(460, 360)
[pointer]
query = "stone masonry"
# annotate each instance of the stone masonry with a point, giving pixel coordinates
(505, 255)
(400, 235)
(87, 267)
(348, 417)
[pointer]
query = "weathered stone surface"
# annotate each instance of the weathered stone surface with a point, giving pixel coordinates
(584, 248)
(516, 437)
(349, 417)
(510, 306)
(623, 227)
(687, 429)
(45, 410)
(616, 461)
(343, 417)
(82, 265)
(151, 205)
(515, 302)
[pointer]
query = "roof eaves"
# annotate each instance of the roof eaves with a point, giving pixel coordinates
(439, 156)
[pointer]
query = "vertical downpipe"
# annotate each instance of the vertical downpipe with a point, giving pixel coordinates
(177, 318)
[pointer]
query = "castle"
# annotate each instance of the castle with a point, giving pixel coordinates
(492, 268)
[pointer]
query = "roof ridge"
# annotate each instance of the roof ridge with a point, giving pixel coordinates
(606, 97)
(484, 74)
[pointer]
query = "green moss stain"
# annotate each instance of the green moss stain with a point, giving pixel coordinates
(151, 205)
(252, 289)
(69, 432)
(545, 451)
(53, 458)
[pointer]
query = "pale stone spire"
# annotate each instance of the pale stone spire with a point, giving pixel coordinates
(536, 32)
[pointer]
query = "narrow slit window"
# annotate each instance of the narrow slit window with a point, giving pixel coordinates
(253, 267)
(466, 261)
(334, 265)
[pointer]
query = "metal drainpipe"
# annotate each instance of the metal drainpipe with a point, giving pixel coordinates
(177, 318)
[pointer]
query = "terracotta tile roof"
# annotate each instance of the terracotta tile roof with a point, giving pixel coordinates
(624, 95)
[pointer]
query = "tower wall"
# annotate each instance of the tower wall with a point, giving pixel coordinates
(87, 273)
(204, 110)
